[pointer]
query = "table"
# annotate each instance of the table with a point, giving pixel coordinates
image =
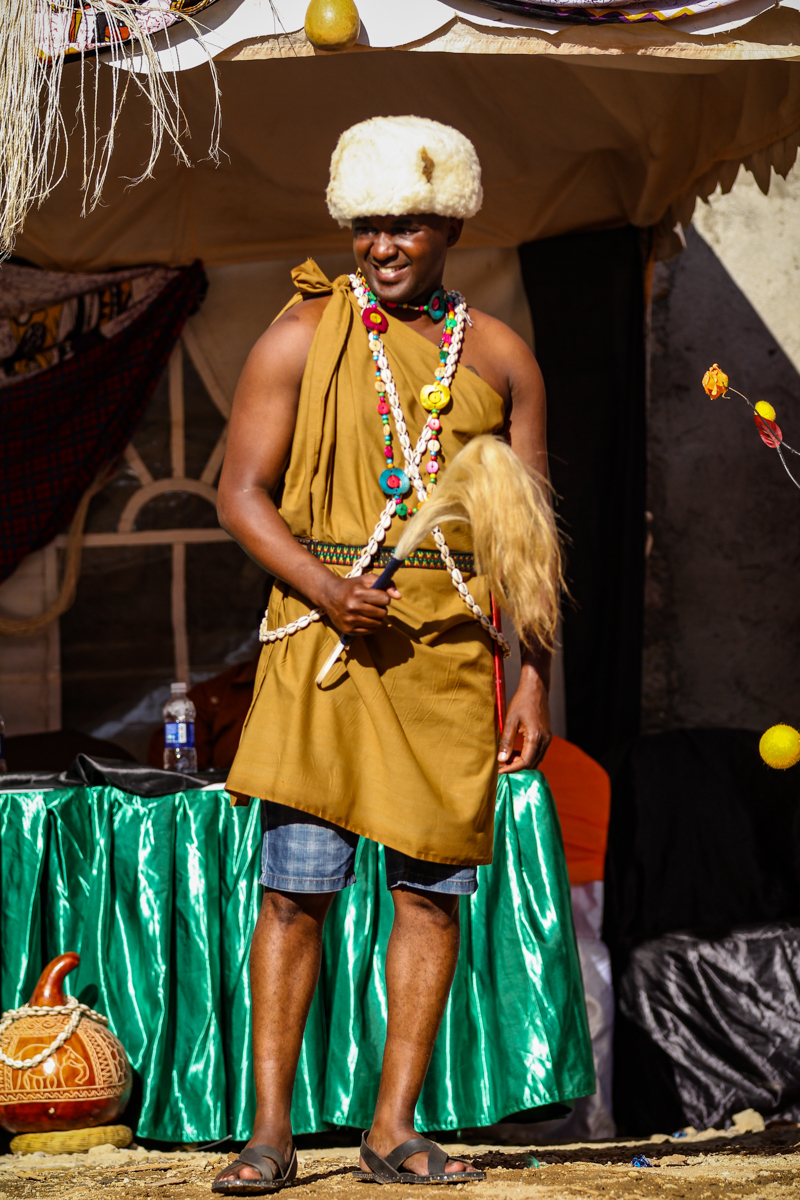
(159, 897)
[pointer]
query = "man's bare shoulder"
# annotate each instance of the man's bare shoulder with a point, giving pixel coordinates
(307, 313)
(495, 335)
(287, 341)
(299, 322)
(499, 356)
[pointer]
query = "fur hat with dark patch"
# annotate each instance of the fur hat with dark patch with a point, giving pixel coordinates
(396, 165)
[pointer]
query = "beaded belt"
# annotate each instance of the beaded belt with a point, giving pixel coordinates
(344, 556)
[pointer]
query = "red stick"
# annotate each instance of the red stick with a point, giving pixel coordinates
(499, 669)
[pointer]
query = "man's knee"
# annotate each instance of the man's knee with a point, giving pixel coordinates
(289, 908)
(437, 908)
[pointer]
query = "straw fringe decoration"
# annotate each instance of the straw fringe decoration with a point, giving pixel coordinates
(33, 131)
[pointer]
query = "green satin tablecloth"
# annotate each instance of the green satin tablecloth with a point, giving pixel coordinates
(159, 897)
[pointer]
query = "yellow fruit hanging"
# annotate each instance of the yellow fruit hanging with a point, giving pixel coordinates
(780, 747)
(332, 24)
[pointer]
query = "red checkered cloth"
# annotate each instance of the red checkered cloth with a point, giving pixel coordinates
(59, 426)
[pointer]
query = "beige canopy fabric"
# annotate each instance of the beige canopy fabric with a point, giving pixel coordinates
(274, 28)
(564, 145)
(773, 34)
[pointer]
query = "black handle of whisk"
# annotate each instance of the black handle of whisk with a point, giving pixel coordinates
(387, 574)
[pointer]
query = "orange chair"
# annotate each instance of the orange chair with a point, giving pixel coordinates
(582, 793)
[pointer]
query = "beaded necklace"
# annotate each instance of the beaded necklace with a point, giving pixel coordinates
(435, 308)
(433, 397)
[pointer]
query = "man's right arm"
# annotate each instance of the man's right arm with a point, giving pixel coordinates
(259, 442)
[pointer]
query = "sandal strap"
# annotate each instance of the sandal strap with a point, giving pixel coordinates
(437, 1160)
(255, 1156)
(388, 1167)
(376, 1164)
(415, 1145)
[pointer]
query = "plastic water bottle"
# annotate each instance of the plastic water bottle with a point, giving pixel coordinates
(3, 764)
(179, 716)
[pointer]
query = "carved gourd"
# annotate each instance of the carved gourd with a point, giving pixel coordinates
(84, 1081)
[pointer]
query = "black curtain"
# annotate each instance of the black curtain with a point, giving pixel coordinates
(586, 293)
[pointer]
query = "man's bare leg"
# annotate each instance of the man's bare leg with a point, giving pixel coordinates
(285, 958)
(420, 963)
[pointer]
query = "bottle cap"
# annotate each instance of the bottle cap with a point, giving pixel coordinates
(178, 689)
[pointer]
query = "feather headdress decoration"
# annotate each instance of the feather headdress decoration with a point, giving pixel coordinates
(515, 541)
(36, 36)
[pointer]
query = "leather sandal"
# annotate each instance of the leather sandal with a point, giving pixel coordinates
(265, 1159)
(387, 1170)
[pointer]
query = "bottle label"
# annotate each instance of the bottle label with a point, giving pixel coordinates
(179, 733)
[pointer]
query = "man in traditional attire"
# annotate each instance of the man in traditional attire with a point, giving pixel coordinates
(398, 744)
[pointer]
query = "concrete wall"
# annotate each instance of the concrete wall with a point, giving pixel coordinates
(722, 641)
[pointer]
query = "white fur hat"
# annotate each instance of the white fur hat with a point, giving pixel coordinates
(403, 165)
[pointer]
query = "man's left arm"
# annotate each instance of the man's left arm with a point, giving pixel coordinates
(526, 428)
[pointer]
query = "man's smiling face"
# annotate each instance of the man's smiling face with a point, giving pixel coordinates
(402, 258)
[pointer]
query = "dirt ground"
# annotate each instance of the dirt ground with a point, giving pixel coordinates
(765, 1166)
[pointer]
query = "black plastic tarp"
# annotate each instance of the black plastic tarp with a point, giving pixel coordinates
(702, 918)
(708, 1028)
(101, 772)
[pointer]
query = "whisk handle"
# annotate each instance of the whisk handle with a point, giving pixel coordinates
(387, 574)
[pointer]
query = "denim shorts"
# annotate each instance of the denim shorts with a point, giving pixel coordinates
(303, 853)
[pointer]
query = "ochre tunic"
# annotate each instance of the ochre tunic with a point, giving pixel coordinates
(399, 742)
